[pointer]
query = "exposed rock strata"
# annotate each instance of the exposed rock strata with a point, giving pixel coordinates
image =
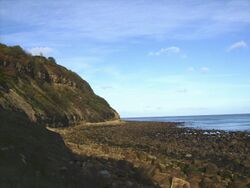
(47, 92)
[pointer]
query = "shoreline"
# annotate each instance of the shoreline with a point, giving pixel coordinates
(181, 124)
(163, 151)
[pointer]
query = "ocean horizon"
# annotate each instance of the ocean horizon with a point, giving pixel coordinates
(225, 122)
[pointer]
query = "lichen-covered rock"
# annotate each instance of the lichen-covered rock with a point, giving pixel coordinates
(47, 92)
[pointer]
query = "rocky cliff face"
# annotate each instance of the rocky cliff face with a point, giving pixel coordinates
(47, 92)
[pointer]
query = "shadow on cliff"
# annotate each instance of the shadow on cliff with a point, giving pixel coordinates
(32, 156)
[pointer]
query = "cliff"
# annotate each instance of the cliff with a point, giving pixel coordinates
(47, 92)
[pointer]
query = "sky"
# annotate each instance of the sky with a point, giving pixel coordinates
(145, 57)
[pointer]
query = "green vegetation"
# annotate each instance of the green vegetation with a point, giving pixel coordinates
(58, 96)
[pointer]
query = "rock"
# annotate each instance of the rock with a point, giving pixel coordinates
(198, 163)
(246, 163)
(79, 163)
(211, 169)
(226, 174)
(206, 183)
(240, 183)
(123, 165)
(104, 178)
(129, 183)
(188, 155)
(105, 173)
(175, 172)
(191, 170)
(218, 178)
(162, 179)
(23, 158)
(37, 100)
(195, 181)
(151, 157)
(4, 148)
(63, 169)
(162, 167)
(179, 183)
(141, 156)
(37, 173)
(115, 184)
(150, 170)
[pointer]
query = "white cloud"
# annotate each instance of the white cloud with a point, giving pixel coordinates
(41, 50)
(168, 50)
(181, 90)
(237, 45)
(117, 19)
(204, 69)
(191, 69)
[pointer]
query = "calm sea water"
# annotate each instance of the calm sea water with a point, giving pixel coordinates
(234, 122)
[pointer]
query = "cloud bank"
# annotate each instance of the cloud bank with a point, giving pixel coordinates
(112, 20)
(237, 45)
(169, 50)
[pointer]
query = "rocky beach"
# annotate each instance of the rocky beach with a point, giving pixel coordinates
(124, 94)
(141, 154)
(56, 132)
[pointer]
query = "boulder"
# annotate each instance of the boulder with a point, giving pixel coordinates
(211, 169)
(180, 183)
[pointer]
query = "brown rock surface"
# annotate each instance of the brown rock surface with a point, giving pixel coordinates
(179, 183)
(152, 149)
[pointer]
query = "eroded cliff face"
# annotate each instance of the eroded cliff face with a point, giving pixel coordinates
(47, 92)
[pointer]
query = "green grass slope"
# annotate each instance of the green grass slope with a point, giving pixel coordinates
(47, 92)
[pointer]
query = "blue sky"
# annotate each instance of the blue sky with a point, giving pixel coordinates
(145, 57)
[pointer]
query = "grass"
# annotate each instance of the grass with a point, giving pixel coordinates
(54, 99)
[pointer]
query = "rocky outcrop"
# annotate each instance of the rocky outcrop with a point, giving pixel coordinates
(179, 183)
(33, 156)
(47, 92)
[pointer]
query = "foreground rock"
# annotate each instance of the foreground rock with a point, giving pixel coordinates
(126, 155)
(165, 153)
(32, 156)
(179, 183)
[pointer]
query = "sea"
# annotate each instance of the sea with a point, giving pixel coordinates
(229, 122)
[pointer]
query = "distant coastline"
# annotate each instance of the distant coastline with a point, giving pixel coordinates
(186, 115)
(225, 122)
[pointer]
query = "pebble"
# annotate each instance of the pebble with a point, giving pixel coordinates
(151, 157)
(211, 169)
(4, 148)
(180, 183)
(129, 183)
(105, 173)
(188, 155)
